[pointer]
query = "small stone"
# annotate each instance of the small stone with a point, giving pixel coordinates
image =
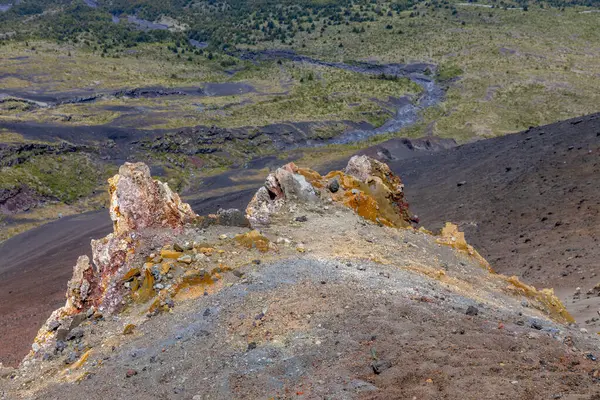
(472, 311)
(355, 191)
(222, 237)
(53, 325)
(524, 303)
(130, 373)
(334, 186)
(177, 247)
(238, 273)
(257, 262)
(35, 347)
(380, 366)
(251, 346)
(301, 218)
(128, 330)
(159, 286)
(361, 268)
(282, 240)
(71, 358)
(60, 346)
(583, 330)
(157, 259)
(186, 259)
(461, 183)
(514, 382)
(536, 325)
(75, 334)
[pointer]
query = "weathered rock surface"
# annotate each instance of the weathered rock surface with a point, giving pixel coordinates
(367, 186)
(319, 303)
(139, 205)
(138, 201)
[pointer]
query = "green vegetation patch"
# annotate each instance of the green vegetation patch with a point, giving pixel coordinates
(65, 178)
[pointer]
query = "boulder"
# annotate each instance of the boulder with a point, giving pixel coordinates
(285, 184)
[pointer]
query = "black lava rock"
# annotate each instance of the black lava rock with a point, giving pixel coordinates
(472, 310)
(333, 186)
(380, 366)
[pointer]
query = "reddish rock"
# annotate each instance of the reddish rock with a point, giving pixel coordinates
(138, 201)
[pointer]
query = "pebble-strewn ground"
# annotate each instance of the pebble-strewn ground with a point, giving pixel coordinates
(342, 309)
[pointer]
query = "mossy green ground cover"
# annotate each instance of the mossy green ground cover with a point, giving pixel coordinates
(512, 68)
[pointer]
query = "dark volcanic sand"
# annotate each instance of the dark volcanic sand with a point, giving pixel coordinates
(530, 202)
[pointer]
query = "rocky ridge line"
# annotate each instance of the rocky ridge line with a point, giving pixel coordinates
(127, 269)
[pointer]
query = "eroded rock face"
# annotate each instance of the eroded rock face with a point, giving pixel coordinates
(79, 286)
(138, 203)
(285, 184)
(367, 186)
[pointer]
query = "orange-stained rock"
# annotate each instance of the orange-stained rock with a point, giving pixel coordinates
(367, 186)
(132, 273)
(253, 240)
(146, 291)
(166, 253)
(128, 329)
(384, 186)
(546, 300)
(138, 205)
(207, 251)
(165, 268)
(451, 236)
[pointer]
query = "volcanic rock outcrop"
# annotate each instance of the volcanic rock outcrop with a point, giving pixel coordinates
(138, 202)
(329, 294)
(367, 186)
(139, 205)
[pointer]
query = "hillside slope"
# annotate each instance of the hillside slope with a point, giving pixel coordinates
(529, 201)
(336, 297)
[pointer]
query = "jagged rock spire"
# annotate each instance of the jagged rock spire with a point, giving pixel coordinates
(138, 201)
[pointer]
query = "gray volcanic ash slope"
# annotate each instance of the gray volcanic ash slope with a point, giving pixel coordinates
(330, 293)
